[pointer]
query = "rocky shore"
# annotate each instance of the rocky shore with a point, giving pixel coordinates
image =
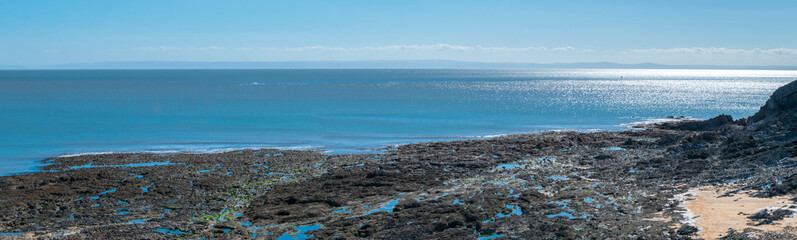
(634, 184)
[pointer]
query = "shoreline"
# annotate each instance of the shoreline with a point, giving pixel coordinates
(547, 185)
(631, 126)
(285, 173)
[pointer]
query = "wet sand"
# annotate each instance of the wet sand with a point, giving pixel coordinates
(716, 212)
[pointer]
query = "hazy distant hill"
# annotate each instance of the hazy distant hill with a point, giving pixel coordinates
(420, 64)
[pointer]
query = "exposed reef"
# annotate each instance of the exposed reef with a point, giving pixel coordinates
(553, 185)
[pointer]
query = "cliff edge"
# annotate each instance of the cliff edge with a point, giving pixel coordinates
(783, 100)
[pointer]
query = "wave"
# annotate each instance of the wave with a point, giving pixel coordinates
(488, 136)
(199, 150)
(83, 154)
(253, 84)
(221, 147)
(651, 121)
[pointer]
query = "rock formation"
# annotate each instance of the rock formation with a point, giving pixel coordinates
(783, 100)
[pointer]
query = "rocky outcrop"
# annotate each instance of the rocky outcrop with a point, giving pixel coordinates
(780, 112)
(699, 125)
(782, 100)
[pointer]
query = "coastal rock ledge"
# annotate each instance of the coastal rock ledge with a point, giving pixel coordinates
(711, 179)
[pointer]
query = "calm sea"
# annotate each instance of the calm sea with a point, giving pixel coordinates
(51, 113)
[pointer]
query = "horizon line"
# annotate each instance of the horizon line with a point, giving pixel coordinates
(372, 64)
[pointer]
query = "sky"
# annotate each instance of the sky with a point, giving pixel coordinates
(705, 32)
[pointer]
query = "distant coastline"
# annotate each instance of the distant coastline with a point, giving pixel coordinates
(375, 64)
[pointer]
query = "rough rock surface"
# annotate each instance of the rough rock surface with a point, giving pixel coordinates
(782, 100)
(553, 185)
(699, 125)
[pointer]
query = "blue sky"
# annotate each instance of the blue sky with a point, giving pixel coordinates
(726, 32)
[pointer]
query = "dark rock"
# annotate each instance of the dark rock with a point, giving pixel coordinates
(780, 214)
(734, 235)
(698, 154)
(687, 230)
(767, 217)
(783, 99)
(763, 214)
(699, 125)
(741, 122)
(786, 186)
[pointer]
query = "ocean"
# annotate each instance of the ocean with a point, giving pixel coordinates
(46, 113)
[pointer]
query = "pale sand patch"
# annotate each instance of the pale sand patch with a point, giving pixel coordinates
(714, 214)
